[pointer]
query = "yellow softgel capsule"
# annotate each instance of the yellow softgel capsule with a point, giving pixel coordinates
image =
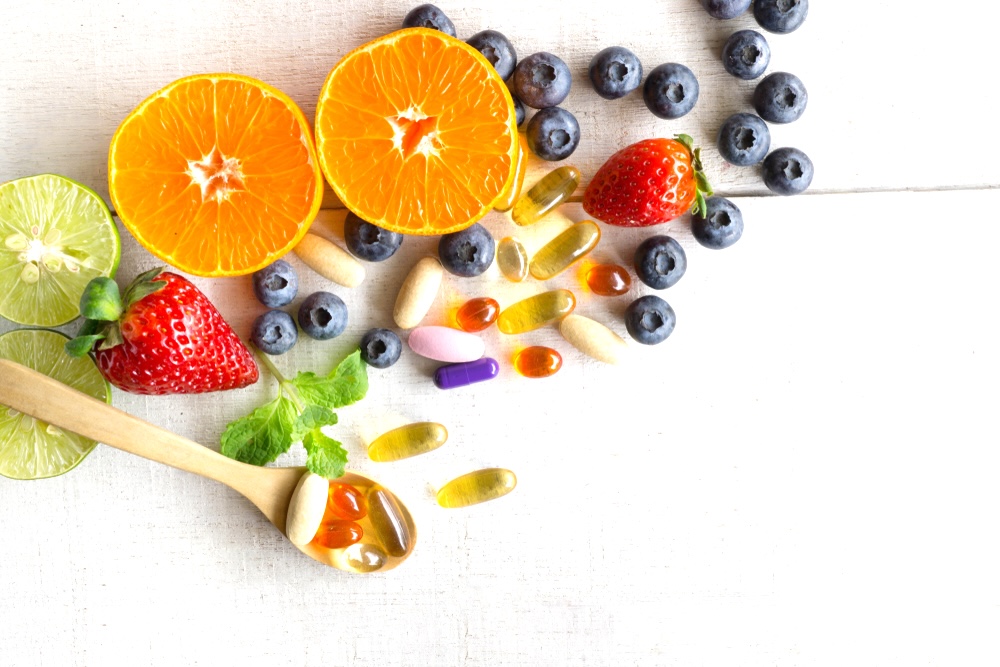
(512, 259)
(407, 441)
(558, 254)
(536, 311)
(545, 195)
(477, 487)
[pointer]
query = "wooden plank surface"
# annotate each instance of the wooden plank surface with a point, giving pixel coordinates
(804, 474)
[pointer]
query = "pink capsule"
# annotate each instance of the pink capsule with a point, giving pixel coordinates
(446, 344)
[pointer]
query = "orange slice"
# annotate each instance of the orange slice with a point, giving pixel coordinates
(216, 174)
(416, 132)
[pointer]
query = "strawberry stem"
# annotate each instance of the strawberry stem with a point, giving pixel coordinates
(703, 189)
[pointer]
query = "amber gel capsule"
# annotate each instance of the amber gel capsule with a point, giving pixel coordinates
(477, 487)
(407, 441)
(558, 254)
(609, 280)
(536, 311)
(520, 167)
(476, 315)
(545, 195)
(512, 259)
(537, 362)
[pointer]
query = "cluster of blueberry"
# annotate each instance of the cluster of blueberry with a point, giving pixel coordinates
(744, 139)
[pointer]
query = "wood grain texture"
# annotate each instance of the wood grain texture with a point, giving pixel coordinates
(804, 474)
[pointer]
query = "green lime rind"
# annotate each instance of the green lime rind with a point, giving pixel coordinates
(29, 448)
(55, 236)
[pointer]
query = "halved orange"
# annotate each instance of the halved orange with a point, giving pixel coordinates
(416, 132)
(216, 174)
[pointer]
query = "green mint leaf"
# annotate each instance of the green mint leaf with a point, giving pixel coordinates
(312, 418)
(263, 435)
(327, 457)
(347, 384)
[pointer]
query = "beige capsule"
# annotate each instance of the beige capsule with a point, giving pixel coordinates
(330, 260)
(306, 509)
(418, 292)
(593, 339)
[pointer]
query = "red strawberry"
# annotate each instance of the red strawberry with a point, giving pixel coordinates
(167, 338)
(647, 183)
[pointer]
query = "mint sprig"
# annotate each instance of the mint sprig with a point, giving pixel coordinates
(304, 405)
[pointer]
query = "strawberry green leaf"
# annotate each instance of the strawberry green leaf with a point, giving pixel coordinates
(101, 300)
(82, 345)
(144, 285)
(263, 435)
(326, 456)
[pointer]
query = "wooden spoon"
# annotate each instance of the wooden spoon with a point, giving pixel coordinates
(270, 489)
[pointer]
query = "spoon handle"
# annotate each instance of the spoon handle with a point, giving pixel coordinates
(50, 401)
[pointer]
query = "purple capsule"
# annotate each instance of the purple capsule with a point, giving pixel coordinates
(459, 375)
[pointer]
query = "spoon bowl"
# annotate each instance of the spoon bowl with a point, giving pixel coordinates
(270, 489)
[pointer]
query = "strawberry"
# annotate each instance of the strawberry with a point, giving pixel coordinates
(648, 183)
(167, 337)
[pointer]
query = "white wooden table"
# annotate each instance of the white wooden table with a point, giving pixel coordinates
(804, 474)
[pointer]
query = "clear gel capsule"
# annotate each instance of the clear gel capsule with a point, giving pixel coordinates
(388, 522)
(558, 254)
(512, 259)
(520, 167)
(477, 487)
(536, 311)
(407, 441)
(545, 195)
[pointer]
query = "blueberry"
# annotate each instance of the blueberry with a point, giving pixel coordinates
(788, 171)
(429, 16)
(370, 242)
(541, 80)
(670, 91)
(744, 139)
(780, 15)
(274, 332)
(725, 9)
(467, 253)
(660, 262)
(518, 109)
(275, 285)
(615, 72)
(650, 320)
(553, 134)
(746, 54)
(722, 225)
(323, 315)
(496, 48)
(380, 348)
(780, 97)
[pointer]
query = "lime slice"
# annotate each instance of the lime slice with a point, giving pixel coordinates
(55, 236)
(30, 449)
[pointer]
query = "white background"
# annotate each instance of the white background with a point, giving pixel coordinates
(803, 474)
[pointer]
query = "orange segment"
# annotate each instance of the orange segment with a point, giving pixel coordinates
(416, 133)
(216, 174)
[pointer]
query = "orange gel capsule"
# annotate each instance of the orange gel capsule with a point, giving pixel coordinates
(344, 502)
(477, 314)
(609, 280)
(338, 534)
(537, 362)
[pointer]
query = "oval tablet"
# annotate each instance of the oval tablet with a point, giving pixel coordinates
(418, 292)
(306, 509)
(330, 260)
(446, 344)
(470, 372)
(593, 339)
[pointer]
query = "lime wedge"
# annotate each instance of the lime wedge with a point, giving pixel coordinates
(30, 449)
(55, 236)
